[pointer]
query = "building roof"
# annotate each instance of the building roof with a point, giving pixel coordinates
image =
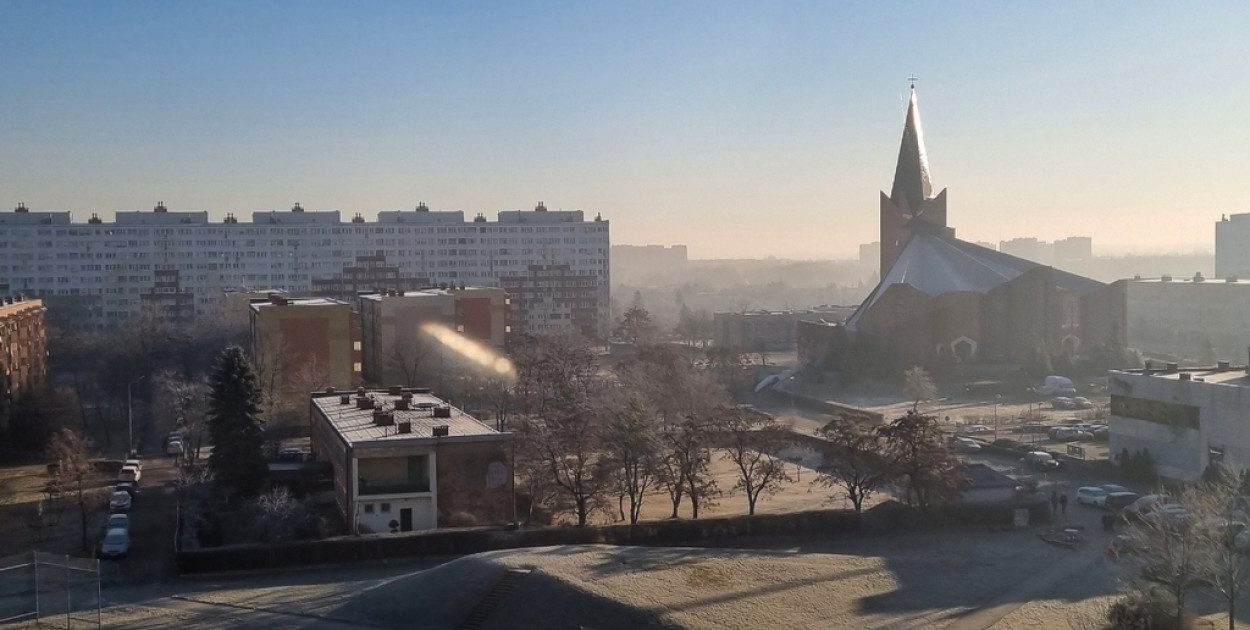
(911, 175)
(935, 264)
(357, 426)
(1231, 375)
(306, 301)
(982, 476)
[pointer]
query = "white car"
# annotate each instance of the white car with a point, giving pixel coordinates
(116, 543)
(1171, 512)
(130, 473)
(174, 447)
(119, 502)
(965, 445)
(133, 463)
(1090, 495)
(975, 428)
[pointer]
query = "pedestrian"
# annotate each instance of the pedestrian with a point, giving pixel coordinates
(1054, 501)
(1063, 503)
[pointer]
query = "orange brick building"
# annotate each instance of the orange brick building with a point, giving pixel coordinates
(305, 344)
(23, 348)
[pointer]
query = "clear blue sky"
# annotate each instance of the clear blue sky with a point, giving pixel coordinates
(740, 129)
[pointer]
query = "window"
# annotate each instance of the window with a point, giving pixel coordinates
(386, 508)
(368, 508)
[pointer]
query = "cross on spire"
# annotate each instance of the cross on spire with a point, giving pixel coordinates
(912, 79)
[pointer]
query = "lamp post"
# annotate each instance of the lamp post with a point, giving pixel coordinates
(130, 418)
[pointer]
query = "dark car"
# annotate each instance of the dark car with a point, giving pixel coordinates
(1116, 501)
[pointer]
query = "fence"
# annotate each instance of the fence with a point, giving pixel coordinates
(52, 590)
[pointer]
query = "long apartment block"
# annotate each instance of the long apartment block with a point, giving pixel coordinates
(176, 265)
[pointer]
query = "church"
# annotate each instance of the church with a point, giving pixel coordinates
(947, 300)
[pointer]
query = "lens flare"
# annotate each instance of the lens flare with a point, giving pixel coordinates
(470, 350)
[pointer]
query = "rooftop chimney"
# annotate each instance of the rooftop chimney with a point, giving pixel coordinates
(1172, 367)
(404, 427)
(1223, 365)
(364, 402)
(345, 399)
(383, 418)
(395, 390)
(1185, 376)
(441, 430)
(401, 404)
(442, 411)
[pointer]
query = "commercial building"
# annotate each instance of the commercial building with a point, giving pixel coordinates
(405, 460)
(1196, 319)
(1232, 246)
(95, 274)
(23, 349)
(302, 345)
(1186, 419)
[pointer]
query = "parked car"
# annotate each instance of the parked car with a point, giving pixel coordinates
(965, 445)
(130, 473)
(1123, 544)
(1062, 403)
(1040, 460)
(133, 463)
(116, 543)
(1090, 495)
(174, 448)
(975, 428)
(1144, 505)
(1168, 512)
(1072, 421)
(1116, 501)
(118, 521)
(1056, 386)
(1082, 402)
(128, 487)
(1068, 434)
(119, 502)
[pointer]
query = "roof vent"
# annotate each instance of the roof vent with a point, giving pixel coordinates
(1198, 277)
(364, 402)
(21, 207)
(383, 418)
(277, 300)
(1137, 277)
(1172, 367)
(1185, 376)
(480, 218)
(441, 430)
(360, 391)
(160, 207)
(421, 207)
(329, 390)
(442, 411)
(1166, 278)
(401, 404)
(406, 396)
(95, 219)
(358, 218)
(1223, 365)
(345, 399)
(230, 218)
(403, 427)
(425, 405)
(1230, 279)
(540, 207)
(297, 207)
(395, 390)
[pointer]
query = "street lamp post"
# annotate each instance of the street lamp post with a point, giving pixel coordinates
(130, 419)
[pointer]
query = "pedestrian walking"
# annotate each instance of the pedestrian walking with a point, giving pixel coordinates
(1063, 504)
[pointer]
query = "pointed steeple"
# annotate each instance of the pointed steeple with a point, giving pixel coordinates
(911, 176)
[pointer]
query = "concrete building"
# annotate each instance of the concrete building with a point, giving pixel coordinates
(552, 299)
(23, 350)
(1194, 319)
(484, 314)
(393, 348)
(1186, 419)
(1232, 246)
(647, 264)
(774, 331)
(405, 460)
(95, 274)
(1074, 250)
(305, 344)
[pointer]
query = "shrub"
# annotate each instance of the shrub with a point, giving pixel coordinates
(1139, 612)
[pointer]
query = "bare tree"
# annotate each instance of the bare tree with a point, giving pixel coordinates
(417, 359)
(632, 446)
(1171, 556)
(1215, 508)
(72, 454)
(752, 441)
(570, 450)
(687, 465)
(184, 402)
(855, 462)
(917, 449)
(918, 386)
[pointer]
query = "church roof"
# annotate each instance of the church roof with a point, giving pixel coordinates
(911, 175)
(935, 263)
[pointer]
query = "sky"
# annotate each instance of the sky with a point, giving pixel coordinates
(740, 129)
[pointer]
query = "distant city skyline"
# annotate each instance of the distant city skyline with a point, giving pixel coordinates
(740, 130)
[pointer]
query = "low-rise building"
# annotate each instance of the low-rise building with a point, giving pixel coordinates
(301, 345)
(773, 331)
(1194, 318)
(1186, 419)
(405, 460)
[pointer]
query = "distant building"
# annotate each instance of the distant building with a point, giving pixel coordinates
(1232, 246)
(304, 345)
(1074, 249)
(1028, 248)
(23, 350)
(1186, 419)
(870, 254)
(647, 264)
(405, 460)
(552, 299)
(1192, 318)
(772, 331)
(174, 265)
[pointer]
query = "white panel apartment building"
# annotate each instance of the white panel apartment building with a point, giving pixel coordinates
(99, 274)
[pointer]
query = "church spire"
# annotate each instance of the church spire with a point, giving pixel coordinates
(911, 176)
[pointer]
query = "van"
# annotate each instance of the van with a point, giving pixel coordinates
(1056, 386)
(1040, 460)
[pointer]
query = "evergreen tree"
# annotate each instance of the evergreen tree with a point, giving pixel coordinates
(234, 424)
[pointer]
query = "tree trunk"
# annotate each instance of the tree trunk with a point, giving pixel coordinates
(581, 511)
(82, 510)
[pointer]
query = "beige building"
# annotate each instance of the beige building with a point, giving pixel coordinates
(405, 460)
(304, 345)
(1194, 319)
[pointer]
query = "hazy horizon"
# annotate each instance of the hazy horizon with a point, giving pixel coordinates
(741, 130)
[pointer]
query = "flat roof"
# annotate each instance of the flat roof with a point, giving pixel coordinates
(1233, 375)
(262, 302)
(356, 425)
